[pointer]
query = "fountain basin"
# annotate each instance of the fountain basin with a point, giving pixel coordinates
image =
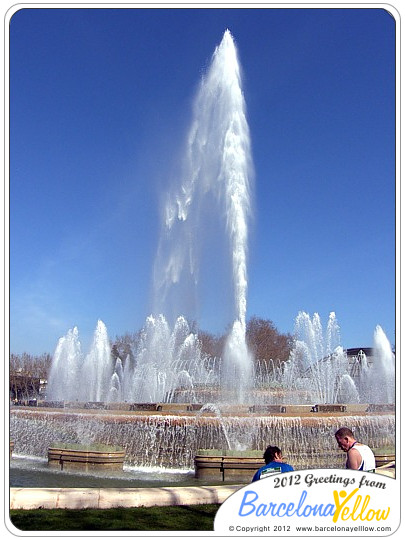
(380, 461)
(81, 457)
(219, 466)
(384, 456)
(172, 439)
(227, 466)
(240, 409)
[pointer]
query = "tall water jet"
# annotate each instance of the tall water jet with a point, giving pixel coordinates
(65, 367)
(377, 378)
(97, 366)
(215, 181)
(384, 363)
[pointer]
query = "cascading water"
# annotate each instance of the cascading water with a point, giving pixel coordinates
(173, 441)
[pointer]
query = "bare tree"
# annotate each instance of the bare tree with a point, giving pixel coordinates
(28, 364)
(266, 342)
(211, 345)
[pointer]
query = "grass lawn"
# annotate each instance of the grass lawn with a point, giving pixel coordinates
(156, 518)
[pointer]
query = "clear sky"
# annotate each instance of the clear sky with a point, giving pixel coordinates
(100, 104)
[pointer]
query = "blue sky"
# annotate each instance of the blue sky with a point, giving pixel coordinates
(100, 104)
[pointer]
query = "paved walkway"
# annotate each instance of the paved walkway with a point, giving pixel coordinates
(32, 498)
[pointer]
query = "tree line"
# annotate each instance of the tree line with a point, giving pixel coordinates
(31, 365)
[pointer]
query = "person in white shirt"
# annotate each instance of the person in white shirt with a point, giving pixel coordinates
(360, 457)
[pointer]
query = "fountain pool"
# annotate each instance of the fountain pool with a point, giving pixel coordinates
(173, 439)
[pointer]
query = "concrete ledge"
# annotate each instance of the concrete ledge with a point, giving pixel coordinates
(221, 468)
(387, 470)
(76, 498)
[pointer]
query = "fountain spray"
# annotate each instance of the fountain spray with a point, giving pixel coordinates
(217, 167)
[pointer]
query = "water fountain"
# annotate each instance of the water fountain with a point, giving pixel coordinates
(319, 370)
(377, 383)
(158, 430)
(126, 404)
(74, 377)
(215, 185)
(169, 366)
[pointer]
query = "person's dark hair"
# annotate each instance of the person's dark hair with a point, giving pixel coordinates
(270, 453)
(344, 432)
